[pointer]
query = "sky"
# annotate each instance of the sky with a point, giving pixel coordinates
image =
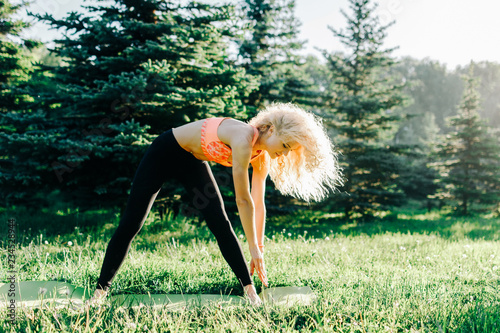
(453, 32)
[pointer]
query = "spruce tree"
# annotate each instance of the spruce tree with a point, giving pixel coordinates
(133, 70)
(363, 101)
(10, 52)
(15, 72)
(269, 50)
(15, 58)
(471, 156)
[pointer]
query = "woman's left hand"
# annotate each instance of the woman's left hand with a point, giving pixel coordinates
(257, 263)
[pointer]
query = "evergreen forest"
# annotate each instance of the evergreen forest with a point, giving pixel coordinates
(77, 115)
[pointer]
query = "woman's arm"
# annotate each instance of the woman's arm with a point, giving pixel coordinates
(245, 204)
(241, 147)
(260, 171)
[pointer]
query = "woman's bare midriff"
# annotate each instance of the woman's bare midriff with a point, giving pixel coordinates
(189, 138)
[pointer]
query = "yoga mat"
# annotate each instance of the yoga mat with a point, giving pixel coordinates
(61, 294)
(36, 293)
(175, 301)
(288, 296)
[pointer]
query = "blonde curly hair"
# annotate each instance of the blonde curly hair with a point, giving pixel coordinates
(312, 170)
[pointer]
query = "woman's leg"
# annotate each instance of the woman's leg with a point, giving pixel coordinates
(147, 182)
(206, 197)
(166, 159)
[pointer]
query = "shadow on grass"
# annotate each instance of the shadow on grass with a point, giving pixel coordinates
(31, 223)
(102, 223)
(435, 223)
(70, 224)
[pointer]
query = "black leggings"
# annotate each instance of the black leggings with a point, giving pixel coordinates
(164, 160)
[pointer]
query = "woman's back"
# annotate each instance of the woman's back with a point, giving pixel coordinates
(189, 136)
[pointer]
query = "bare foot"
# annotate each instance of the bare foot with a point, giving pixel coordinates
(252, 295)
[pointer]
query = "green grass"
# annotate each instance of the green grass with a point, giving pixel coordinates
(408, 272)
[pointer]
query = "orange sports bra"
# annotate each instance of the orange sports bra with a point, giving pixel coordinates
(214, 149)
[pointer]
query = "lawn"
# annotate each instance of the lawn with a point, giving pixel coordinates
(407, 272)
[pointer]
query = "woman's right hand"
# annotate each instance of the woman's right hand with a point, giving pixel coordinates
(257, 263)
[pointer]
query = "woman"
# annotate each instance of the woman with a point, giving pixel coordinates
(283, 141)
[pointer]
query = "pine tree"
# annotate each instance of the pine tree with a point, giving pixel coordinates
(471, 156)
(15, 71)
(363, 99)
(134, 69)
(269, 50)
(10, 52)
(15, 62)
(419, 180)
